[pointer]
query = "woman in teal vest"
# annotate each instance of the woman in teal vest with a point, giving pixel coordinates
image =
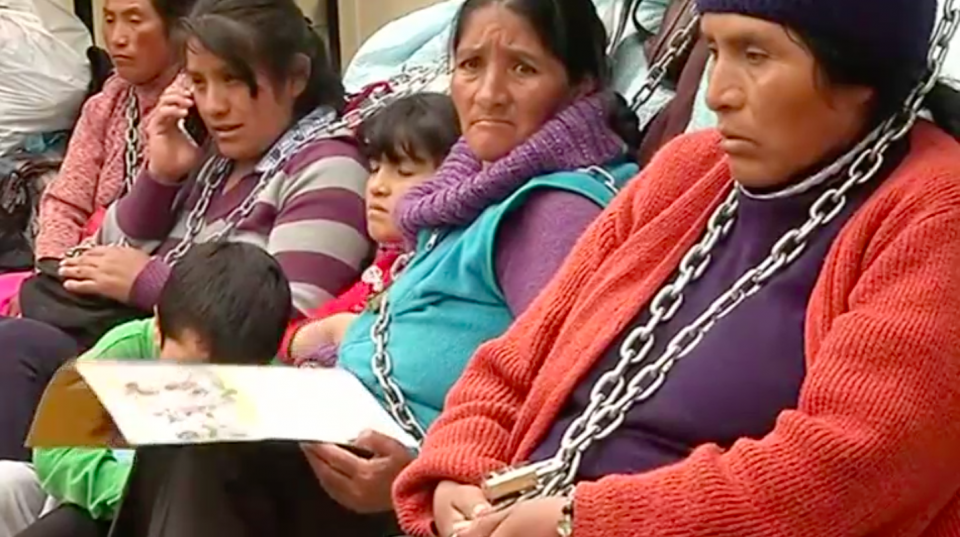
(539, 159)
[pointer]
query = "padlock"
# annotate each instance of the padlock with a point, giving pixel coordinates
(509, 483)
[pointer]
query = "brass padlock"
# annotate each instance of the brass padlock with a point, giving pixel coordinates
(509, 483)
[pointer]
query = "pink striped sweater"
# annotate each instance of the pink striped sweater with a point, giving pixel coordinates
(91, 176)
(311, 216)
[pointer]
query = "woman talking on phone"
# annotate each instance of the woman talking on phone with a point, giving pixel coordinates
(259, 79)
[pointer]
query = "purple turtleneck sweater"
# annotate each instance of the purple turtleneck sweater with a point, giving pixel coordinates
(534, 241)
(745, 371)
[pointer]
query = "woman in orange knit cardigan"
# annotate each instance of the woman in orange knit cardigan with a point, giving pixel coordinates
(761, 336)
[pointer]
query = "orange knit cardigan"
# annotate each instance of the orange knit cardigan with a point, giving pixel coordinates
(873, 447)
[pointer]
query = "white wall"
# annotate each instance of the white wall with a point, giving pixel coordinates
(359, 19)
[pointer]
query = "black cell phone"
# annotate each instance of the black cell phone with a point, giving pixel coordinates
(194, 126)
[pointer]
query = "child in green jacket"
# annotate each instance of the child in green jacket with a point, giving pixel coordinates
(226, 303)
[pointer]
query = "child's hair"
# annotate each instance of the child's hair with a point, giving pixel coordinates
(422, 127)
(266, 34)
(233, 296)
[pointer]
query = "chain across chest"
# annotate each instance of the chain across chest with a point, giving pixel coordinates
(639, 373)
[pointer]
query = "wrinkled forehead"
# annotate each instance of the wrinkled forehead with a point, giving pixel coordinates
(497, 28)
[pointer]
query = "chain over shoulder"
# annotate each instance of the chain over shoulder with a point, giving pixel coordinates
(382, 361)
(132, 160)
(411, 81)
(638, 375)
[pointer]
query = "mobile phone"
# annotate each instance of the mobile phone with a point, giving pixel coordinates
(194, 127)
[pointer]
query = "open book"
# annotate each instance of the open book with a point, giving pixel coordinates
(129, 404)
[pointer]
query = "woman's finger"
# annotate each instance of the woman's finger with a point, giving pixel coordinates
(88, 265)
(70, 261)
(168, 115)
(99, 251)
(76, 272)
(470, 502)
(338, 458)
(82, 287)
(180, 99)
(485, 525)
(338, 485)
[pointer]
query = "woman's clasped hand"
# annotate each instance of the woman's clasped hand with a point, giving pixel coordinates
(463, 511)
(108, 271)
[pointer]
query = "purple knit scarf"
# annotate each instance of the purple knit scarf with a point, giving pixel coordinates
(577, 137)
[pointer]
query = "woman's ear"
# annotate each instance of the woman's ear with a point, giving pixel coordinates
(300, 75)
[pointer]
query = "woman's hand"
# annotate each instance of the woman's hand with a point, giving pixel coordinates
(361, 485)
(456, 506)
(532, 518)
(13, 309)
(172, 153)
(107, 271)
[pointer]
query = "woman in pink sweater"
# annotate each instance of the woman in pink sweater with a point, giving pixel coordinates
(106, 149)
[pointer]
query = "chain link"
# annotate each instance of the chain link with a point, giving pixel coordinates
(216, 170)
(382, 362)
(614, 393)
(132, 157)
(211, 178)
(678, 44)
(411, 80)
(133, 149)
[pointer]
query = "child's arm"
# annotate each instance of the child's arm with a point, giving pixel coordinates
(94, 479)
(326, 331)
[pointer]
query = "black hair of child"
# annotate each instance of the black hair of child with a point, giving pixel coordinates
(421, 127)
(233, 296)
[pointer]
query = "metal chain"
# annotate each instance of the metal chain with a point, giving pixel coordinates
(215, 172)
(411, 80)
(679, 42)
(133, 149)
(132, 156)
(382, 362)
(614, 394)
(211, 177)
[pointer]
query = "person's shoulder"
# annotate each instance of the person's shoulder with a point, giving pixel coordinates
(689, 169)
(122, 340)
(112, 91)
(927, 181)
(689, 156)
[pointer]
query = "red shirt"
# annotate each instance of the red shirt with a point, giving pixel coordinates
(353, 300)
(871, 448)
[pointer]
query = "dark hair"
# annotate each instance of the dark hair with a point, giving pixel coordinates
(422, 127)
(573, 32)
(892, 81)
(270, 34)
(172, 11)
(233, 296)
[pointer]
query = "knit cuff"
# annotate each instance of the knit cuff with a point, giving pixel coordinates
(324, 355)
(146, 289)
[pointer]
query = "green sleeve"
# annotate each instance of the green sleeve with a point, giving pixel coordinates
(93, 479)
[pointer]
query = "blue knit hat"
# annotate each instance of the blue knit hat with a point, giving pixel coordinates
(882, 31)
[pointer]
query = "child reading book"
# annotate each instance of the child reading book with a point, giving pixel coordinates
(225, 303)
(405, 142)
